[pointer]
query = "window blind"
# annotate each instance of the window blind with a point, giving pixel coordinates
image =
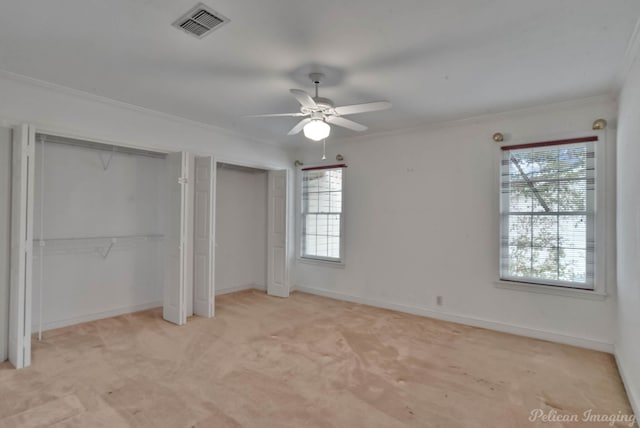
(547, 209)
(322, 212)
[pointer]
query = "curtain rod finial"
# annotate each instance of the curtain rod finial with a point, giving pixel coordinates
(599, 124)
(498, 137)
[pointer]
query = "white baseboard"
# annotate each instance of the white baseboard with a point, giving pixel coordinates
(128, 309)
(462, 319)
(633, 393)
(239, 288)
(96, 316)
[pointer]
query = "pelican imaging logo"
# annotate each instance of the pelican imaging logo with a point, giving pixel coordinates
(588, 416)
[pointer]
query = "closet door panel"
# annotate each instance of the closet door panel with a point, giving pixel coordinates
(174, 305)
(5, 238)
(21, 246)
(277, 273)
(204, 188)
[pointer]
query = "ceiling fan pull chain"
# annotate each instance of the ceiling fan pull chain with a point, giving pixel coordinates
(324, 153)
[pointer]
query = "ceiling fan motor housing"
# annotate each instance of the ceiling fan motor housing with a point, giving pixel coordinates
(323, 103)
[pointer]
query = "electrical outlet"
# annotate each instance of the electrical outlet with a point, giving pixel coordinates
(439, 300)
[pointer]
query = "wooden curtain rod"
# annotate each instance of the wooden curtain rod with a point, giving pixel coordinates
(551, 143)
(313, 168)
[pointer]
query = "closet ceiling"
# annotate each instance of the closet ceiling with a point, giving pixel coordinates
(435, 60)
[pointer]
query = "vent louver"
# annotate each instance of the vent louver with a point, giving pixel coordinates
(200, 21)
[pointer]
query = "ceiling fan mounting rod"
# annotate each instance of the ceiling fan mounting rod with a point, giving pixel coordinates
(316, 78)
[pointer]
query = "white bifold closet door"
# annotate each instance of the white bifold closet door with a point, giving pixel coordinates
(176, 239)
(189, 243)
(203, 234)
(277, 275)
(21, 246)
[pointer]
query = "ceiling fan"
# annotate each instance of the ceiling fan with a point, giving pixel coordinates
(319, 112)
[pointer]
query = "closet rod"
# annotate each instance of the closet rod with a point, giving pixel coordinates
(89, 238)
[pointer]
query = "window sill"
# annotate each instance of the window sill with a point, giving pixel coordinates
(320, 262)
(550, 289)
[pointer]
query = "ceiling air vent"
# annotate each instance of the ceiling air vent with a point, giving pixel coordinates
(200, 21)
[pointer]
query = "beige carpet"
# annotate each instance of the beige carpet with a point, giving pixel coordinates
(305, 361)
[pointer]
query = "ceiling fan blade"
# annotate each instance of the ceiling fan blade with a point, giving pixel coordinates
(277, 115)
(303, 98)
(362, 108)
(299, 126)
(345, 123)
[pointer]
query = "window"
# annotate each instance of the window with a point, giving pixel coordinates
(322, 213)
(547, 208)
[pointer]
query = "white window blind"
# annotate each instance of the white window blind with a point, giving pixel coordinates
(547, 210)
(322, 213)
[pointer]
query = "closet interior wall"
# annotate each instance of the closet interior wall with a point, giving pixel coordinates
(98, 231)
(241, 228)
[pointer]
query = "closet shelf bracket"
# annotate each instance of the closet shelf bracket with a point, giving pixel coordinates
(107, 162)
(105, 253)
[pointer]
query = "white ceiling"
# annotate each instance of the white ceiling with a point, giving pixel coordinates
(434, 60)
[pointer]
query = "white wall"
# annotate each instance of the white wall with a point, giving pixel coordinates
(422, 221)
(628, 340)
(241, 229)
(82, 199)
(5, 236)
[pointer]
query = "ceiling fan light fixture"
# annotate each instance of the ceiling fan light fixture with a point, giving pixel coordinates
(317, 130)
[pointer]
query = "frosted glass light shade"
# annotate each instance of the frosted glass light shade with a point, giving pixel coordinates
(316, 130)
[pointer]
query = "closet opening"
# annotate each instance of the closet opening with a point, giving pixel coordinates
(97, 231)
(241, 228)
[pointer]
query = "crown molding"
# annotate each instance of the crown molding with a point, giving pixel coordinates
(65, 90)
(632, 49)
(454, 122)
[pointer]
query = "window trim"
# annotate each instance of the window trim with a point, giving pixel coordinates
(602, 221)
(318, 260)
(531, 287)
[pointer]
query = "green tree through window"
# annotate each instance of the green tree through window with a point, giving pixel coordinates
(547, 214)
